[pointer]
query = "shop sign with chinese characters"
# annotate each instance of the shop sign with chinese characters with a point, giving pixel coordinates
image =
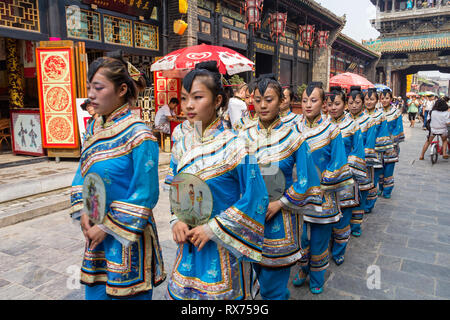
(130, 7)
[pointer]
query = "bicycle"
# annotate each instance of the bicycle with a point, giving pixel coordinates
(436, 149)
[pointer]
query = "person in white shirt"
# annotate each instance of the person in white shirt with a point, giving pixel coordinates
(428, 106)
(165, 114)
(236, 105)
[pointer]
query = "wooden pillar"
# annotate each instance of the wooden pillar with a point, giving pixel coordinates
(16, 82)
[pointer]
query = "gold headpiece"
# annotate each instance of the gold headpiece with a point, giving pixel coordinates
(135, 74)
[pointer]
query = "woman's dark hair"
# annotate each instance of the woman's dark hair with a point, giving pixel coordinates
(174, 100)
(440, 105)
(355, 91)
(85, 104)
(337, 91)
(265, 81)
(370, 92)
(386, 92)
(115, 69)
(313, 85)
(211, 78)
(291, 93)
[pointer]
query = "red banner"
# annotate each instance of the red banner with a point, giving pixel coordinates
(165, 89)
(57, 100)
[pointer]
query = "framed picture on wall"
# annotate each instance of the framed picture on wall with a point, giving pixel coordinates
(26, 132)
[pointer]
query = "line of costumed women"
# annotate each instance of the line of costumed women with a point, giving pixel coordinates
(383, 143)
(218, 198)
(354, 149)
(278, 148)
(390, 157)
(328, 151)
(367, 127)
(115, 189)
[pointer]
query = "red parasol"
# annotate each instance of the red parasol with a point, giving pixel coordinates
(178, 63)
(348, 79)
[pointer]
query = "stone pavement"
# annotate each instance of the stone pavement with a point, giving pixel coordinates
(403, 253)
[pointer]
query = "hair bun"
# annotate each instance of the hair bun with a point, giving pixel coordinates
(316, 84)
(335, 88)
(270, 76)
(210, 65)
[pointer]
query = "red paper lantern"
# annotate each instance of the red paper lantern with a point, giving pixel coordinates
(253, 10)
(307, 34)
(277, 23)
(322, 38)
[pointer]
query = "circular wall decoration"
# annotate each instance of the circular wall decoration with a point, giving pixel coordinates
(59, 128)
(55, 67)
(57, 99)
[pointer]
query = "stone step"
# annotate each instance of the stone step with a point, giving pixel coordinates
(27, 208)
(43, 203)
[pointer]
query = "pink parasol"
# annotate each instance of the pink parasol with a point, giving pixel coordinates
(348, 79)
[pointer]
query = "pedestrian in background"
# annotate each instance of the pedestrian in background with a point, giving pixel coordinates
(412, 110)
(427, 107)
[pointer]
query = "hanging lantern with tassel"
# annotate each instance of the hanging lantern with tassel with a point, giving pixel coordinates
(307, 34)
(322, 38)
(179, 26)
(182, 6)
(253, 10)
(277, 22)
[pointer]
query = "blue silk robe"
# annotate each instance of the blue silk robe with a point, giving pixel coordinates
(290, 118)
(354, 150)
(368, 130)
(240, 200)
(383, 143)
(328, 150)
(124, 153)
(395, 129)
(283, 146)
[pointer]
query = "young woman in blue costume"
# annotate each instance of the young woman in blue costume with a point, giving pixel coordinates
(367, 126)
(278, 147)
(390, 157)
(328, 151)
(354, 149)
(122, 258)
(383, 143)
(212, 258)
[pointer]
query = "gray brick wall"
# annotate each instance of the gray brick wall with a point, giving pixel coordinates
(189, 38)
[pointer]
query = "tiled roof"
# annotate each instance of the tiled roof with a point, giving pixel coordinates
(410, 44)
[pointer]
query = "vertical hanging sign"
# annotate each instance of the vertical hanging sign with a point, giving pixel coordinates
(56, 84)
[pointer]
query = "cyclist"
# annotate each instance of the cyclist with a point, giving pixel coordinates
(439, 120)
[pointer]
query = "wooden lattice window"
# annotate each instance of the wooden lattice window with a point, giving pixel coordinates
(20, 14)
(146, 36)
(83, 24)
(118, 31)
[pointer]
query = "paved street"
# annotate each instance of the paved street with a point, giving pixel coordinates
(403, 253)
